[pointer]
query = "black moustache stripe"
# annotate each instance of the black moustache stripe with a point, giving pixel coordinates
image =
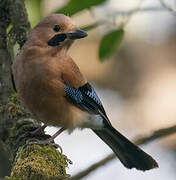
(55, 40)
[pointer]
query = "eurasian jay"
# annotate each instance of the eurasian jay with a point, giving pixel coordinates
(55, 91)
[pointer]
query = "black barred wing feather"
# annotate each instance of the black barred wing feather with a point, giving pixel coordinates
(86, 99)
(91, 100)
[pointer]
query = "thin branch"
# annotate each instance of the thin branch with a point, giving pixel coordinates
(155, 135)
(167, 7)
(139, 141)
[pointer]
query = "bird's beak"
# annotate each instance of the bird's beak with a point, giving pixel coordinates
(78, 34)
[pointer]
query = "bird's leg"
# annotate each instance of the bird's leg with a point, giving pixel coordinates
(32, 133)
(38, 130)
(56, 134)
(49, 141)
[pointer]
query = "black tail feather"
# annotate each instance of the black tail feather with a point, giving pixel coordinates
(127, 152)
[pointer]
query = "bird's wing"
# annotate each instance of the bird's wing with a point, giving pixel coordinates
(86, 99)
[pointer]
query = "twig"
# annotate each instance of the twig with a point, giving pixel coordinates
(167, 7)
(139, 141)
(156, 135)
(128, 17)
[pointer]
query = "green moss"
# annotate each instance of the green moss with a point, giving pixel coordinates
(19, 128)
(15, 108)
(35, 162)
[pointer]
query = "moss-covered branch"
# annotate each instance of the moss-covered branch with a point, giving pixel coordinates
(35, 162)
(39, 162)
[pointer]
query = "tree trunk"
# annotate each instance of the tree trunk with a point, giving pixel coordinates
(27, 162)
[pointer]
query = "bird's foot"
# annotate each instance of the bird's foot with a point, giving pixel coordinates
(36, 138)
(45, 142)
(37, 131)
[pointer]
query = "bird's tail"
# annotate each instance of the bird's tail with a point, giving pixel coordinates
(128, 153)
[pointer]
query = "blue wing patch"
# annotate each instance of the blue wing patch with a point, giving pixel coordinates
(74, 94)
(85, 98)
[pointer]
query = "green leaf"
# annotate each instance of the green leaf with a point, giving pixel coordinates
(110, 43)
(75, 6)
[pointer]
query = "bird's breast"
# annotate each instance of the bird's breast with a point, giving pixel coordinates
(41, 87)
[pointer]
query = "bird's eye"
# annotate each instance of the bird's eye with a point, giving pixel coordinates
(56, 28)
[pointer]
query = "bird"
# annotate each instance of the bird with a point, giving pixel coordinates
(55, 91)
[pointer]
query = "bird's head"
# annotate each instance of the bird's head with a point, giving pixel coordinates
(56, 30)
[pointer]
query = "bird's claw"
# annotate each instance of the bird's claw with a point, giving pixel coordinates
(33, 133)
(26, 134)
